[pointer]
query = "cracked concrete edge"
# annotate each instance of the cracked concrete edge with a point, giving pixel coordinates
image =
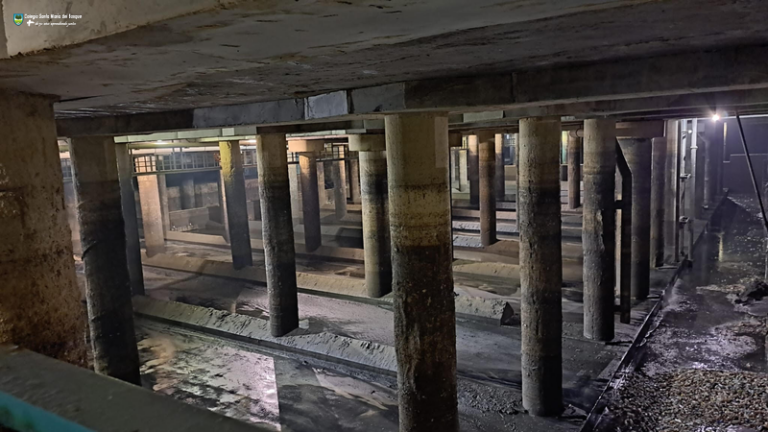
(324, 346)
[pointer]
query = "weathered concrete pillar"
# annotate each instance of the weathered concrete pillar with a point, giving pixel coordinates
(473, 171)
(375, 198)
(108, 283)
(425, 319)
(517, 168)
(340, 187)
(310, 201)
(541, 275)
(70, 203)
(151, 214)
(163, 191)
(672, 192)
(487, 180)
(223, 207)
(277, 232)
(321, 192)
(499, 175)
(713, 147)
(463, 170)
(188, 192)
(599, 227)
(130, 220)
(574, 170)
(41, 307)
(624, 235)
(354, 180)
(233, 180)
(637, 152)
(658, 174)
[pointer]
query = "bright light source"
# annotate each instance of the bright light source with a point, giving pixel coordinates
(715, 117)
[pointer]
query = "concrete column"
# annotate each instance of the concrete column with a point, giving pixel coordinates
(541, 275)
(637, 152)
(624, 234)
(499, 175)
(151, 214)
(463, 170)
(713, 147)
(354, 180)
(277, 232)
(321, 193)
(375, 198)
(310, 201)
(672, 192)
(517, 169)
(420, 222)
(233, 181)
(223, 207)
(41, 302)
(108, 283)
(599, 231)
(340, 188)
(487, 180)
(130, 220)
(658, 174)
(188, 192)
(574, 170)
(163, 190)
(473, 171)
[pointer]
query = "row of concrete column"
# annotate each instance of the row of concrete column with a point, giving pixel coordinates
(406, 201)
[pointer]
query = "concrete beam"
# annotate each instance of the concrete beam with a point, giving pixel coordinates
(305, 146)
(647, 129)
(366, 143)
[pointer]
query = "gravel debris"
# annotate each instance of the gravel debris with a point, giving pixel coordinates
(692, 400)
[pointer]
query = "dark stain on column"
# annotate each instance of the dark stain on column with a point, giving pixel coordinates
(487, 180)
(108, 283)
(130, 220)
(574, 170)
(376, 238)
(424, 309)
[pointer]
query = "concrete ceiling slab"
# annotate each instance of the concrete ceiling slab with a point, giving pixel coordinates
(266, 50)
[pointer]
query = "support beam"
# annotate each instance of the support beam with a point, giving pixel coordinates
(473, 171)
(233, 181)
(658, 177)
(499, 175)
(130, 219)
(375, 198)
(188, 192)
(41, 302)
(425, 321)
(487, 182)
(599, 232)
(151, 214)
(277, 229)
(637, 152)
(574, 170)
(624, 230)
(108, 283)
(541, 276)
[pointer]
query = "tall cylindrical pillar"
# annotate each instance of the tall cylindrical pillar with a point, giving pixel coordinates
(541, 276)
(420, 221)
(599, 227)
(375, 198)
(233, 181)
(130, 220)
(487, 180)
(517, 169)
(574, 170)
(658, 177)
(151, 214)
(672, 192)
(340, 186)
(499, 176)
(188, 192)
(310, 201)
(108, 283)
(41, 302)
(277, 232)
(473, 171)
(637, 152)
(354, 180)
